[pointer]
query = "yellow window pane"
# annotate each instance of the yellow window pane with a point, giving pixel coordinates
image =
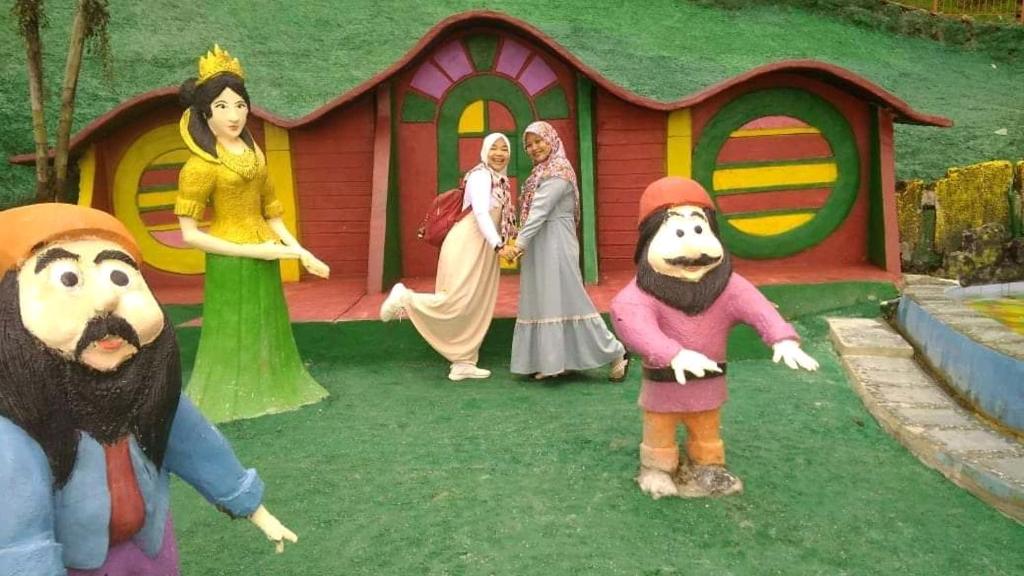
(771, 225)
(472, 119)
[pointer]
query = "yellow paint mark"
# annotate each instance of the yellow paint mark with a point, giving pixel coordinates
(472, 119)
(279, 172)
(1009, 311)
(173, 226)
(680, 123)
(275, 138)
(151, 200)
(765, 176)
(771, 225)
(87, 176)
(178, 156)
(753, 133)
(679, 152)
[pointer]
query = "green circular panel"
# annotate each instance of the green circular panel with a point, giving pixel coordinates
(816, 112)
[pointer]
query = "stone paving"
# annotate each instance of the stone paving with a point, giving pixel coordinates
(918, 411)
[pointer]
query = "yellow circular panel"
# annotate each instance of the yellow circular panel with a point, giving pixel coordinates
(158, 147)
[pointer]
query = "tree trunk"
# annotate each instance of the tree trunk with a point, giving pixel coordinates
(34, 58)
(76, 45)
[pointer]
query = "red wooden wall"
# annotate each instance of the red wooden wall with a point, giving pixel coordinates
(332, 160)
(630, 154)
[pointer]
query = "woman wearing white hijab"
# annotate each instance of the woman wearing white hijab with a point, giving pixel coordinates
(455, 317)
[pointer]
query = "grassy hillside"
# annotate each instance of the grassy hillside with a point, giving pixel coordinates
(301, 54)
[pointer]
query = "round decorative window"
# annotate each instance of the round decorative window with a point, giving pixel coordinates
(145, 187)
(783, 168)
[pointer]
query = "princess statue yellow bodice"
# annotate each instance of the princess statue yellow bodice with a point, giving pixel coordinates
(236, 186)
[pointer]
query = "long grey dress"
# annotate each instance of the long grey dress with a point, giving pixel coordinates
(558, 327)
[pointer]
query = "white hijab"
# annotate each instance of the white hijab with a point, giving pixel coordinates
(488, 142)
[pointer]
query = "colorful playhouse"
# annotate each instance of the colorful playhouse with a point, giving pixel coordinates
(798, 156)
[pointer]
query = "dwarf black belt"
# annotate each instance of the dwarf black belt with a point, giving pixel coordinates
(667, 374)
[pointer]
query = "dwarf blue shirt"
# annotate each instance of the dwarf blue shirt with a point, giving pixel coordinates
(43, 529)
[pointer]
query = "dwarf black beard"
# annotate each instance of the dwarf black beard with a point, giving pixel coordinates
(702, 260)
(100, 327)
(53, 398)
(690, 297)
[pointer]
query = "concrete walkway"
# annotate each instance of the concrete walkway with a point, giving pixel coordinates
(921, 414)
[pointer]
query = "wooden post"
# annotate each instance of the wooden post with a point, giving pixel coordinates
(379, 190)
(588, 196)
(277, 148)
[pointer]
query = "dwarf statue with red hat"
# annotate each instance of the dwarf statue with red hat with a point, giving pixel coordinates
(92, 418)
(676, 315)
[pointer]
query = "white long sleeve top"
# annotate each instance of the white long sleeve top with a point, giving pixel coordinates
(478, 194)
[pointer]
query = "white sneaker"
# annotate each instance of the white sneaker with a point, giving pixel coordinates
(461, 371)
(394, 304)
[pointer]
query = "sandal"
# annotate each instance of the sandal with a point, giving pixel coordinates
(619, 370)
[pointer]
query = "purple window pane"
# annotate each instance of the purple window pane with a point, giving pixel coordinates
(537, 76)
(512, 56)
(430, 80)
(453, 60)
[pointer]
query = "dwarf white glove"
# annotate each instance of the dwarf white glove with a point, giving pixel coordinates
(272, 527)
(789, 352)
(693, 362)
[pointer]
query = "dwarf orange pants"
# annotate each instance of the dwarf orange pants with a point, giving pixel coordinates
(703, 442)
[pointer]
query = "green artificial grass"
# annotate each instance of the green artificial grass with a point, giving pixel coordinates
(403, 472)
(299, 55)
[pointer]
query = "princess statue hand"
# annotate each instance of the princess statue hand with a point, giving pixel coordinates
(274, 251)
(314, 265)
(272, 527)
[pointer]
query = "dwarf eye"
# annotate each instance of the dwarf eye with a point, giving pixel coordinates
(680, 233)
(65, 274)
(118, 273)
(119, 278)
(698, 229)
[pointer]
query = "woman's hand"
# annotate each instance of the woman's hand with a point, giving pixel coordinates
(313, 265)
(510, 252)
(272, 527)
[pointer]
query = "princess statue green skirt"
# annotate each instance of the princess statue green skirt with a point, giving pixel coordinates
(247, 364)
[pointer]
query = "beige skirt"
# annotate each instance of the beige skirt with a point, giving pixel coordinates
(455, 317)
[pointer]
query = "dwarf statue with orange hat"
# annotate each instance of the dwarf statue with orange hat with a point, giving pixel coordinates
(676, 314)
(91, 414)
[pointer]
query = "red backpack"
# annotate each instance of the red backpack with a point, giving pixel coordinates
(445, 211)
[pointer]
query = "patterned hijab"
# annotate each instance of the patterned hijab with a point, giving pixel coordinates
(500, 189)
(556, 165)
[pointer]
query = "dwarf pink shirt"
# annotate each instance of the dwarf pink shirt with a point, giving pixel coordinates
(657, 332)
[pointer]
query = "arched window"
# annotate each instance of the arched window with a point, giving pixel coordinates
(476, 85)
